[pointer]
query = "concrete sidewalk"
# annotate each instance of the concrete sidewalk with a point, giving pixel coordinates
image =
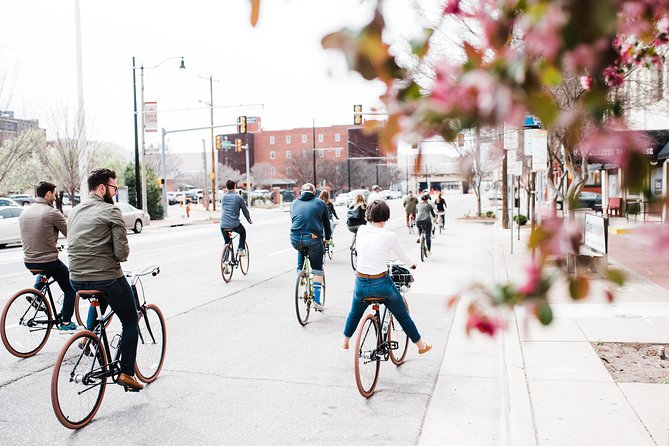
(536, 385)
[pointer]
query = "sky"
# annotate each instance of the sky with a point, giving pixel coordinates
(277, 70)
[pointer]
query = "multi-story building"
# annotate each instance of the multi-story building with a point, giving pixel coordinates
(10, 126)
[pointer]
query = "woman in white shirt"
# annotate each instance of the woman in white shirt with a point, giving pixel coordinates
(374, 245)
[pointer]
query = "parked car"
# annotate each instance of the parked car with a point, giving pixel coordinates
(68, 200)
(4, 201)
(585, 200)
(9, 225)
(23, 199)
(494, 194)
(133, 218)
(342, 199)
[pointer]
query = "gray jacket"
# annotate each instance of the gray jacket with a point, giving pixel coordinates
(231, 204)
(97, 241)
(40, 225)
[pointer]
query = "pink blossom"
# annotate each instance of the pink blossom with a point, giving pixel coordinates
(452, 7)
(543, 38)
(586, 82)
(657, 237)
(483, 323)
(533, 280)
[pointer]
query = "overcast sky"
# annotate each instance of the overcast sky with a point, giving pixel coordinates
(277, 70)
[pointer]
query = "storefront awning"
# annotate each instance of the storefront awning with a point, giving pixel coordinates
(663, 154)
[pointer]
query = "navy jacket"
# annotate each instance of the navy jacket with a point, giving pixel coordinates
(309, 215)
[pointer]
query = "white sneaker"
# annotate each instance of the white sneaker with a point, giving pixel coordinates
(241, 252)
(317, 306)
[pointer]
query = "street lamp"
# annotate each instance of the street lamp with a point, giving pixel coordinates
(140, 183)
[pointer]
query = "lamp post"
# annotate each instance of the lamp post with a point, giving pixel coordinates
(140, 178)
(213, 144)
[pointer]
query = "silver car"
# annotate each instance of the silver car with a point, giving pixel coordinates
(133, 218)
(9, 225)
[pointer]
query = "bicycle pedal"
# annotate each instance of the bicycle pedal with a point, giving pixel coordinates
(394, 345)
(130, 389)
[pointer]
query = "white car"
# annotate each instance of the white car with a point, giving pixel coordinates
(9, 225)
(342, 199)
(133, 218)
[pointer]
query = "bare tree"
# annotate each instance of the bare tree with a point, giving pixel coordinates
(18, 168)
(226, 173)
(299, 168)
(478, 159)
(261, 173)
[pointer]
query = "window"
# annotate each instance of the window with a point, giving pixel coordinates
(272, 170)
(289, 155)
(320, 137)
(337, 153)
(287, 139)
(304, 139)
(321, 153)
(337, 137)
(271, 139)
(272, 155)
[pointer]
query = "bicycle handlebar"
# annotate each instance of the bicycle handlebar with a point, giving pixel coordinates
(153, 270)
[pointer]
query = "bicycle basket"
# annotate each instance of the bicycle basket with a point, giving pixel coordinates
(401, 276)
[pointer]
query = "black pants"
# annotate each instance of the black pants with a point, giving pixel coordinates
(426, 226)
(61, 274)
(239, 230)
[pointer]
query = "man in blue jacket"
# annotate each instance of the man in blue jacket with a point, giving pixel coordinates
(231, 204)
(309, 216)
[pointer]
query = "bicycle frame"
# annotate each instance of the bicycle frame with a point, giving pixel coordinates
(383, 346)
(45, 290)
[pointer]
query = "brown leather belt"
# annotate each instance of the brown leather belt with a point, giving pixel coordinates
(371, 276)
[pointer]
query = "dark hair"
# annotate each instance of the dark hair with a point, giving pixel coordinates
(230, 185)
(99, 176)
(377, 211)
(43, 187)
(425, 197)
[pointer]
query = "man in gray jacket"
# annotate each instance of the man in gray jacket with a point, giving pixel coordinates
(39, 225)
(97, 243)
(231, 204)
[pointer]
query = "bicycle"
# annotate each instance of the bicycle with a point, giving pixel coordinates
(304, 289)
(85, 363)
(412, 223)
(423, 244)
(373, 345)
(231, 260)
(30, 314)
(328, 250)
(354, 252)
(441, 221)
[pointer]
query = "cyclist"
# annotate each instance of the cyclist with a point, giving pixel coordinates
(231, 204)
(376, 194)
(39, 225)
(356, 213)
(372, 279)
(424, 215)
(309, 217)
(97, 244)
(409, 204)
(440, 204)
(332, 214)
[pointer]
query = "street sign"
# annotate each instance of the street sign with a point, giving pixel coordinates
(225, 144)
(150, 116)
(539, 150)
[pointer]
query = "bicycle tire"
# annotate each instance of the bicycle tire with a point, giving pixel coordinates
(330, 252)
(226, 268)
(244, 260)
(396, 333)
(366, 345)
(152, 344)
(323, 290)
(423, 251)
(81, 307)
(18, 337)
(72, 374)
(354, 258)
(302, 298)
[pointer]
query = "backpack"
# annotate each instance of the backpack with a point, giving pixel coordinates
(401, 276)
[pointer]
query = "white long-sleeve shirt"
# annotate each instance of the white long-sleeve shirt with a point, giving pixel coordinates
(374, 246)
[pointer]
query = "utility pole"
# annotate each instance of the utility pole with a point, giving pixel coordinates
(313, 139)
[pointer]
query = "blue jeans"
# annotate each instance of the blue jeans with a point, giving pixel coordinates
(120, 297)
(315, 247)
(61, 274)
(381, 287)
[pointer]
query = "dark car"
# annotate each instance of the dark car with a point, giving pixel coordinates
(586, 200)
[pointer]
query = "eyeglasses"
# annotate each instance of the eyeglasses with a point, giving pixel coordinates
(115, 188)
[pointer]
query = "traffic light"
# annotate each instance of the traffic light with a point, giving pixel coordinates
(238, 145)
(357, 114)
(219, 142)
(242, 125)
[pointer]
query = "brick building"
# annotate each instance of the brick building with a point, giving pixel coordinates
(10, 126)
(288, 155)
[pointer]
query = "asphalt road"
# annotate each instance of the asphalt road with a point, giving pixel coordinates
(239, 367)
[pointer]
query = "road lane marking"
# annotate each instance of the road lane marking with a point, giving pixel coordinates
(279, 252)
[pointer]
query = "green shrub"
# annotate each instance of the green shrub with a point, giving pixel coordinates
(490, 214)
(520, 219)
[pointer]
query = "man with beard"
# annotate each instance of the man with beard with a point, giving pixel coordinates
(39, 225)
(97, 243)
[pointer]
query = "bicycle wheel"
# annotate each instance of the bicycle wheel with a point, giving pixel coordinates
(244, 260)
(423, 249)
(354, 257)
(79, 380)
(366, 361)
(330, 252)
(152, 344)
(302, 298)
(396, 333)
(226, 267)
(26, 323)
(81, 307)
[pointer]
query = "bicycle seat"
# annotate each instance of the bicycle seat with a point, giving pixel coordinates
(90, 294)
(374, 299)
(228, 229)
(38, 271)
(304, 250)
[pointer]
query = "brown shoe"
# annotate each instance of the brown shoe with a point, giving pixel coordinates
(427, 348)
(129, 382)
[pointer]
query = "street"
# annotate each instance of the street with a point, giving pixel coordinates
(239, 368)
